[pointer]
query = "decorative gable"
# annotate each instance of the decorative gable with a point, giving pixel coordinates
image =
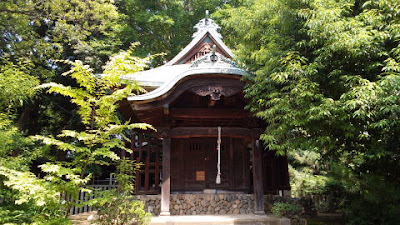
(205, 56)
(206, 36)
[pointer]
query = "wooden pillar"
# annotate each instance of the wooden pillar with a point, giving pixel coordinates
(257, 178)
(166, 177)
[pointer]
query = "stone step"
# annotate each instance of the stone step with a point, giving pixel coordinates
(243, 219)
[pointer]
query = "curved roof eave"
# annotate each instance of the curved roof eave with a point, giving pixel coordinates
(167, 86)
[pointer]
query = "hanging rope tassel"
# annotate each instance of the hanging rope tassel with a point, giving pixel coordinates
(218, 180)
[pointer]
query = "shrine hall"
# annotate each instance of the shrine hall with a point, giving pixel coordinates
(205, 142)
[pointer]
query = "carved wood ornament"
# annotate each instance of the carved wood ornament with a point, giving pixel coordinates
(215, 91)
(203, 51)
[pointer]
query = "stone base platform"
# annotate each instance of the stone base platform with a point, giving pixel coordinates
(242, 219)
(201, 204)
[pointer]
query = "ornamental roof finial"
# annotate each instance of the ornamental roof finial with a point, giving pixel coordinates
(207, 24)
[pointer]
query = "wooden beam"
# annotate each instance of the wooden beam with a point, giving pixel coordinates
(208, 113)
(166, 177)
(234, 132)
(258, 179)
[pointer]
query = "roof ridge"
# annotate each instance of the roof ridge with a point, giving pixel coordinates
(206, 24)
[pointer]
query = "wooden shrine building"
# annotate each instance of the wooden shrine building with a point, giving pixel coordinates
(196, 103)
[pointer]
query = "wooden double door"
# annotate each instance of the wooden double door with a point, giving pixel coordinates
(194, 164)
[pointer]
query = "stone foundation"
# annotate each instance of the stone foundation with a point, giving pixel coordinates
(202, 204)
(209, 204)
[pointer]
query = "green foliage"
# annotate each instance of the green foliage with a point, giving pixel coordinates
(32, 200)
(32, 39)
(37, 33)
(290, 210)
(97, 101)
(125, 175)
(164, 26)
(304, 183)
(326, 80)
(24, 198)
(307, 173)
(26, 214)
(119, 206)
(16, 87)
(59, 29)
(13, 145)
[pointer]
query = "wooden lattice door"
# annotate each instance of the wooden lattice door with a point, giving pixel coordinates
(197, 162)
(194, 164)
(146, 150)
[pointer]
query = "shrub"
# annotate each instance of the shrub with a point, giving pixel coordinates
(289, 210)
(120, 208)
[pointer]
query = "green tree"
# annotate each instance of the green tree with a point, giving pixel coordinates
(97, 100)
(164, 26)
(40, 32)
(326, 79)
(119, 206)
(19, 188)
(16, 88)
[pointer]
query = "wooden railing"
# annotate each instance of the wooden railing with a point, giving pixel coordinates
(84, 196)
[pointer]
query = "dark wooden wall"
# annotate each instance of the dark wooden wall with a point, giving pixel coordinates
(189, 155)
(275, 173)
(194, 164)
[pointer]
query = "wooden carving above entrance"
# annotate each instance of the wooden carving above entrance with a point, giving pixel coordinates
(215, 91)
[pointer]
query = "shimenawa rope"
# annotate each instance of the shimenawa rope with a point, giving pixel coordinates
(218, 179)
